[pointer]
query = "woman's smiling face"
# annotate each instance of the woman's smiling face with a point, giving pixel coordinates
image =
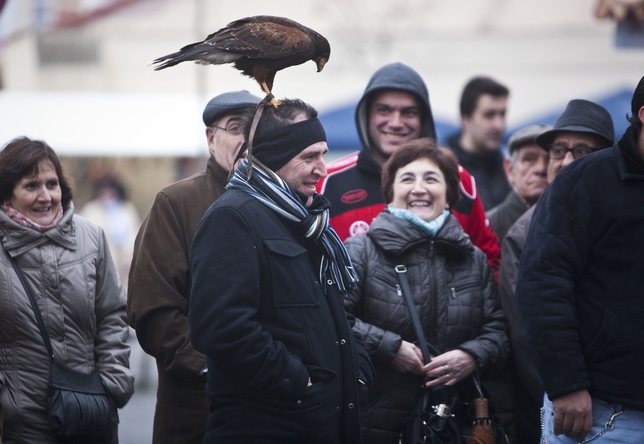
(420, 187)
(38, 197)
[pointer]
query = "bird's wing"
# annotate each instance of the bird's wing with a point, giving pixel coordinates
(261, 39)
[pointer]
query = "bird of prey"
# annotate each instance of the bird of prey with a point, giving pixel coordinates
(258, 46)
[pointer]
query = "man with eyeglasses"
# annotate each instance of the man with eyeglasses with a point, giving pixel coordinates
(160, 278)
(584, 127)
(580, 291)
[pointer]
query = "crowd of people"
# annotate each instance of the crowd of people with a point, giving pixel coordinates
(266, 286)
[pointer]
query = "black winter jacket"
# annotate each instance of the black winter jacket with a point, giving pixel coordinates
(581, 277)
(261, 317)
(454, 292)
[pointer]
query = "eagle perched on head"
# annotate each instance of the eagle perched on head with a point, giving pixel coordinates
(258, 46)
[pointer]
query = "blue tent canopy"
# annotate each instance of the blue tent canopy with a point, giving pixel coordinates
(618, 105)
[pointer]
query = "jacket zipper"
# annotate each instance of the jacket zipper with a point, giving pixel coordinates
(433, 306)
(463, 287)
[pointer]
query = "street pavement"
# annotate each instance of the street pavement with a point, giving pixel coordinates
(135, 426)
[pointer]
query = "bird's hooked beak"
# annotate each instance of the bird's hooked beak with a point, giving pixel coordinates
(320, 63)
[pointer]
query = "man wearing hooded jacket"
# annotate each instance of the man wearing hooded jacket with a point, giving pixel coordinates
(393, 110)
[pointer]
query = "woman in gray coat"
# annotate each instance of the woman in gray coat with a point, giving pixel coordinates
(452, 288)
(67, 263)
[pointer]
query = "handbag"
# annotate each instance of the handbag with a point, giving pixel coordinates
(442, 414)
(77, 406)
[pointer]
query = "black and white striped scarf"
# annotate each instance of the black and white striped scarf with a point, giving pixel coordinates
(313, 222)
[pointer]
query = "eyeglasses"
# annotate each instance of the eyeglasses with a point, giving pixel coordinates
(559, 150)
(234, 129)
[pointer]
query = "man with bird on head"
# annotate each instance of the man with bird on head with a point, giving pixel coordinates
(269, 277)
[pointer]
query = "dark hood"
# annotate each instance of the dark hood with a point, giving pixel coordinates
(401, 77)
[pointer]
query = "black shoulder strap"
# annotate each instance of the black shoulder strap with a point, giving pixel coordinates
(425, 347)
(34, 305)
(401, 272)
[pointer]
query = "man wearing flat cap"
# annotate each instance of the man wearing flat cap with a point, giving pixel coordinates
(526, 172)
(269, 277)
(160, 279)
(584, 127)
(579, 289)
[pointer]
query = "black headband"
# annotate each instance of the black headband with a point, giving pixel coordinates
(275, 148)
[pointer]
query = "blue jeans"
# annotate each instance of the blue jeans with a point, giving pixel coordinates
(609, 425)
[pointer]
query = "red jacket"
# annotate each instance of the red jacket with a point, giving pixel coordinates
(353, 186)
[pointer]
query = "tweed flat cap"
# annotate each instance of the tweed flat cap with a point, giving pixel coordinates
(526, 135)
(227, 103)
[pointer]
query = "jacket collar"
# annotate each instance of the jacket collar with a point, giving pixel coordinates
(217, 175)
(514, 201)
(368, 164)
(485, 160)
(396, 236)
(17, 239)
(629, 159)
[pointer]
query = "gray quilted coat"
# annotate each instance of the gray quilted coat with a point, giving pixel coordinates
(454, 293)
(83, 305)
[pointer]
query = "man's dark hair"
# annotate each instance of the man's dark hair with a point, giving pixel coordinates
(477, 87)
(636, 104)
(417, 149)
(274, 118)
(22, 157)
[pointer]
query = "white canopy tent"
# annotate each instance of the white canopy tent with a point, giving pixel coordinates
(106, 124)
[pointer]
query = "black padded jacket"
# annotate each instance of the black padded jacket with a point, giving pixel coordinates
(454, 292)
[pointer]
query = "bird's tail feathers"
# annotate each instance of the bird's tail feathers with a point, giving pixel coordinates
(167, 61)
(199, 52)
